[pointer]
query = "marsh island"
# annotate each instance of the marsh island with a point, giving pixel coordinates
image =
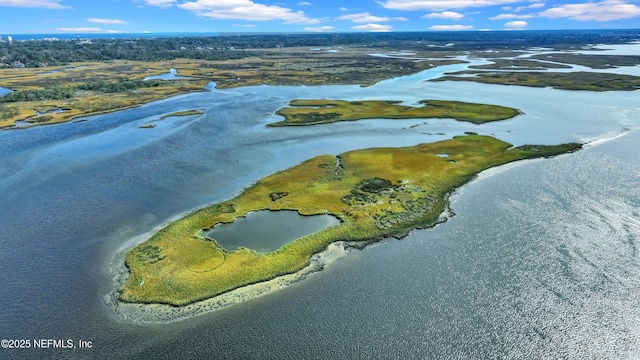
(375, 193)
(311, 112)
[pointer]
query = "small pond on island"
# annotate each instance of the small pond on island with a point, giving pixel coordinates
(267, 231)
(171, 75)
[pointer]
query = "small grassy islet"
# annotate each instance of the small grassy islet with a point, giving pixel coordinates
(175, 114)
(183, 113)
(376, 193)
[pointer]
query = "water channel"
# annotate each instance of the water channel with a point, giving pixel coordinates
(4, 91)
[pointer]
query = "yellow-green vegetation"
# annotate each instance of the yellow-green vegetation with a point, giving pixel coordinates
(376, 193)
(85, 102)
(89, 103)
(312, 112)
(580, 80)
(183, 113)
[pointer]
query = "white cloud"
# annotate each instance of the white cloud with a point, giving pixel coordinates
(450, 27)
(45, 4)
(532, 6)
(364, 17)
(304, 3)
(373, 27)
(85, 30)
(245, 10)
(441, 4)
(400, 18)
(106, 21)
(511, 16)
(598, 11)
(245, 25)
(160, 3)
(319, 28)
(444, 15)
(344, 9)
(516, 25)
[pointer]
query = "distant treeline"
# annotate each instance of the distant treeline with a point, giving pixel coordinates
(66, 92)
(52, 53)
(121, 85)
(51, 93)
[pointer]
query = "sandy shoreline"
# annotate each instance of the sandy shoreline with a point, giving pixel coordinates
(160, 313)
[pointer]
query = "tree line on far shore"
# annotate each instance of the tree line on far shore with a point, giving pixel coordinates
(65, 92)
(224, 47)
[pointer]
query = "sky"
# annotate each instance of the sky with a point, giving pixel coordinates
(162, 16)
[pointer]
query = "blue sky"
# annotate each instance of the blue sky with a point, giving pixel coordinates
(135, 16)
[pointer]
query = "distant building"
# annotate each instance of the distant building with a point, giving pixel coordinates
(9, 39)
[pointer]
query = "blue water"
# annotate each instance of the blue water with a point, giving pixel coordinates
(539, 261)
(171, 75)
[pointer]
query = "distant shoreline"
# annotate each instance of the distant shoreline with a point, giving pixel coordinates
(145, 34)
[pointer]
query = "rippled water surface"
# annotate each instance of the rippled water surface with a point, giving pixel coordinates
(541, 260)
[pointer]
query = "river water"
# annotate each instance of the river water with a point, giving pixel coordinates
(541, 259)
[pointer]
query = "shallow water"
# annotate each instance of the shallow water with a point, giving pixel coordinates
(540, 259)
(49, 72)
(267, 231)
